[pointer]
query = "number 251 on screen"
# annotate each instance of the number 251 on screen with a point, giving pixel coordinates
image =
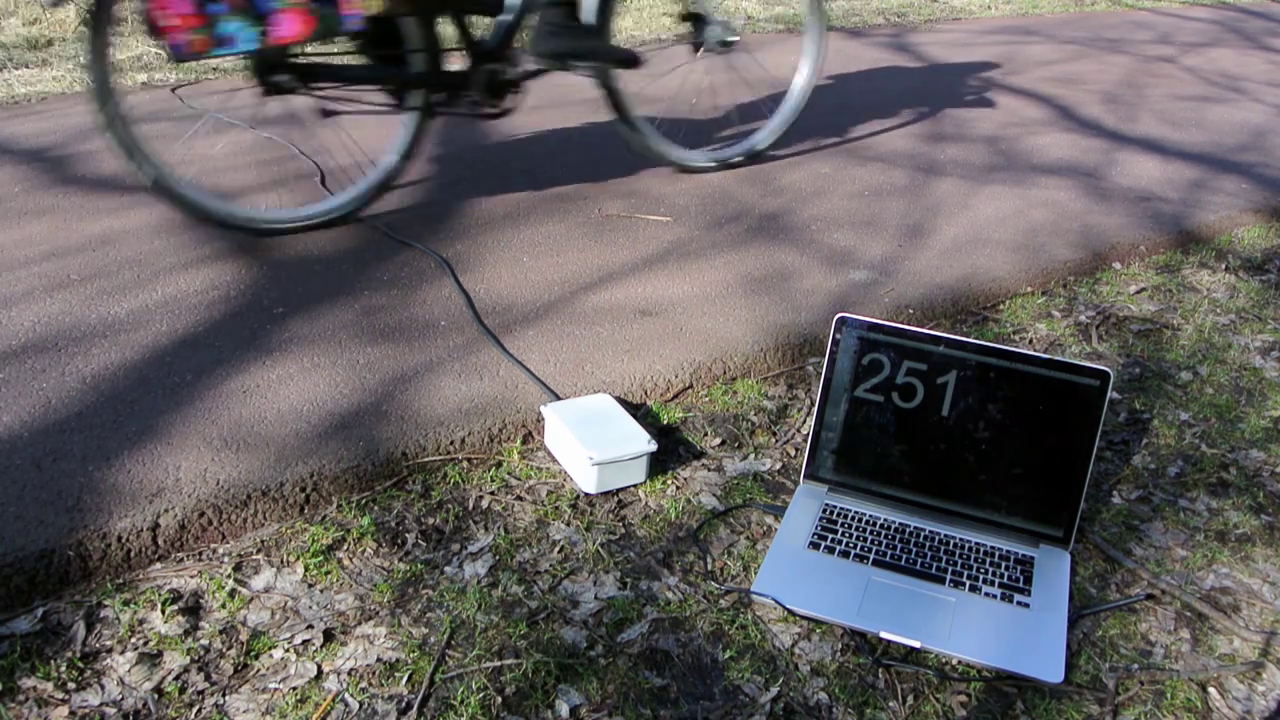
(904, 381)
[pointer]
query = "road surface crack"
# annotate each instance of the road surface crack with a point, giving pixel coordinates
(320, 177)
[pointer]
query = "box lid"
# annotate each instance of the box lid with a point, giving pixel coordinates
(601, 427)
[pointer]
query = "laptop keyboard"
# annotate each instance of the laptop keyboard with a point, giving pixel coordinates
(960, 563)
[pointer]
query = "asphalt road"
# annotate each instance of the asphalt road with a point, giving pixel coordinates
(164, 384)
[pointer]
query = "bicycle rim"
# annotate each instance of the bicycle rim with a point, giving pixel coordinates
(666, 134)
(326, 203)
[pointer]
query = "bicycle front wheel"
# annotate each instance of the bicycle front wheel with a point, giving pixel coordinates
(205, 136)
(720, 83)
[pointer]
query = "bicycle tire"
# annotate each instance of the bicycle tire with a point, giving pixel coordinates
(644, 137)
(202, 205)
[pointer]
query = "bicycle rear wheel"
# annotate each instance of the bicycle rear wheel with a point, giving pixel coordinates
(205, 136)
(715, 46)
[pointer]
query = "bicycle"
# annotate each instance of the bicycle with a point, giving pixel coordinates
(410, 70)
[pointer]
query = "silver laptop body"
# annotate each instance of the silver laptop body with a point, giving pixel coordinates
(940, 495)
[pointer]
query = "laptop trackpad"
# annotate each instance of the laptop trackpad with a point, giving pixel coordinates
(907, 612)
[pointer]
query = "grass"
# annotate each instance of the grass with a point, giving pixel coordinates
(552, 596)
(1211, 310)
(42, 49)
(259, 644)
(739, 396)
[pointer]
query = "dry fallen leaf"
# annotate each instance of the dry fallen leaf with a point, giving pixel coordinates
(370, 644)
(480, 544)
(75, 638)
(143, 672)
(281, 581)
(575, 636)
(636, 630)
(747, 466)
(106, 691)
(709, 501)
(770, 695)
(37, 686)
(568, 699)
(23, 624)
(290, 673)
(243, 705)
(589, 592)
(478, 568)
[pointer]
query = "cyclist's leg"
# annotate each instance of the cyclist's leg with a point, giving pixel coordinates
(570, 31)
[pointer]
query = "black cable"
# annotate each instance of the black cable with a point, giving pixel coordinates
(471, 305)
(1108, 607)
(858, 640)
(774, 510)
(457, 285)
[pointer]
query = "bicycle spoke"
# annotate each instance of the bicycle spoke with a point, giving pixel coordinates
(685, 126)
(667, 104)
(191, 132)
(716, 111)
(733, 134)
(663, 76)
(264, 168)
(760, 65)
(757, 100)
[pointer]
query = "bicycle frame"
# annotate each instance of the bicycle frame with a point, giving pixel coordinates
(493, 49)
(508, 17)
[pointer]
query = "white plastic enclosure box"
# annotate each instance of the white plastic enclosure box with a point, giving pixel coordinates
(597, 442)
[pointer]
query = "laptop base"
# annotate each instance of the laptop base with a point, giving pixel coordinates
(974, 628)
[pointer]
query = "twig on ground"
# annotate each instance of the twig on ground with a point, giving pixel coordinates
(501, 663)
(482, 666)
(327, 704)
(238, 546)
(1128, 695)
(499, 498)
(160, 572)
(540, 465)
(672, 397)
(370, 493)
(1206, 673)
(333, 506)
(635, 216)
(1164, 586)
(429, 682)
(1064, 688)
(897, 689)
(442, 458)
(786, 370)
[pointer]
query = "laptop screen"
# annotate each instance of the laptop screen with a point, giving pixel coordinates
(970, 429)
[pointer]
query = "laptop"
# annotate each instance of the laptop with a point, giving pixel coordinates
(940, 495)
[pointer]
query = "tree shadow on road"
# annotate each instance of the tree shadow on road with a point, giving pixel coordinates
(595, 152)
(115, 419)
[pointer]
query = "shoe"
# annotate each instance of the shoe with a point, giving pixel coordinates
(560, 37)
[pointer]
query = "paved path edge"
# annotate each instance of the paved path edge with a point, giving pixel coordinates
(99, 554)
